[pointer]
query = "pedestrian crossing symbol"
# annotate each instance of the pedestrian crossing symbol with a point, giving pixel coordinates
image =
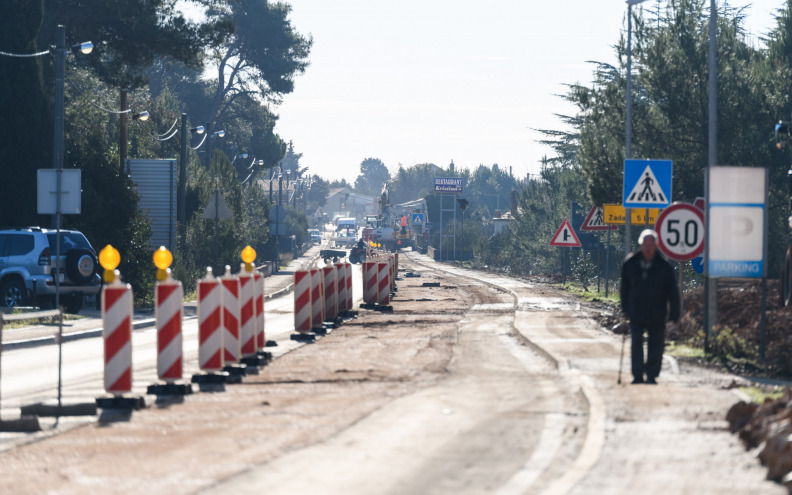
(647, 183)
(565, 236)
(595, 220)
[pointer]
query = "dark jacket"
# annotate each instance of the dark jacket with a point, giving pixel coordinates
(645, 301)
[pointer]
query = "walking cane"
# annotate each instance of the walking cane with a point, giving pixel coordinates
(621, 358)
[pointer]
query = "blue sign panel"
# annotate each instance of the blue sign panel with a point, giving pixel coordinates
(417, 218)
(448, 184)
(647, 183)
(698, 264)
(736, 269)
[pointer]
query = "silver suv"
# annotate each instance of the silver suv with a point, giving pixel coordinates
(28, 267)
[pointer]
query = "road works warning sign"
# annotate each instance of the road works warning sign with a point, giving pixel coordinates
(565, 236)
(647, 183)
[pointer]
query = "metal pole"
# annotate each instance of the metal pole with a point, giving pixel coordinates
(182, 189)
(122, 148)
(453, 206)
(607, 263)
(217, 228)
(209, 139)
(278, 223)
(711, 285)
(60, 76)
(440, 244)
(628, 127)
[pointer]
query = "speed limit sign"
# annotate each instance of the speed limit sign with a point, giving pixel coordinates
(680, 228)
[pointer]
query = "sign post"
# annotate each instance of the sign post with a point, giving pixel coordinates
(446, 185)
(565, 236)
(737, 230)
(647, 183)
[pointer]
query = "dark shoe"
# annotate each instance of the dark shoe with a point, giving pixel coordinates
(651, 381)
(637, 381)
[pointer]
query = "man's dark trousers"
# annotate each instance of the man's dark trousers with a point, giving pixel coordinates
(654, 358)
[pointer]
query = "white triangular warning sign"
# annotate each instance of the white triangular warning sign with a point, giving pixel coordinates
(565, 236)
(647, 191)
(595, 220)
(217, 207)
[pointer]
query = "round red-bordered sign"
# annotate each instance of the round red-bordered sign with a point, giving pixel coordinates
(680, 229)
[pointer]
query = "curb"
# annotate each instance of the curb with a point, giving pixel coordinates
(68, 337)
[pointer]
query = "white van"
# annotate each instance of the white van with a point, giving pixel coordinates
(346, 223)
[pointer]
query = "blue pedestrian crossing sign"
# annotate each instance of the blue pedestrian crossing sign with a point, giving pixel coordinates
(647, 183)
(417, 218)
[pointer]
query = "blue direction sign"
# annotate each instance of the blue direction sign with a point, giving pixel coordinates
(417, 218)
(647, 183)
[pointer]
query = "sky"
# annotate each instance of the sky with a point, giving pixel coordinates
(431, 81)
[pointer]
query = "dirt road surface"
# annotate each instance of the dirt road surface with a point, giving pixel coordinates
(484, 384)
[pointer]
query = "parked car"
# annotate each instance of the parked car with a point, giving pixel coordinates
(29, 265)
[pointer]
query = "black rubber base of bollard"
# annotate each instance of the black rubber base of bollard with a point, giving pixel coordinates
(55, 411)
(121, 402)
(213, 378)
(303, 337)
(25, 424)
(235, 372)
(169, 389)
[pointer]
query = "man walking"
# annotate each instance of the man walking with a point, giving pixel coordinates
(648, 288)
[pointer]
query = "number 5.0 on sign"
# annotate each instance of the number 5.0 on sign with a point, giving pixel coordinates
(680, 229)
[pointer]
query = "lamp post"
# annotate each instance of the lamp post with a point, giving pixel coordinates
(57, 164)
(124, 136)
(182, 191)
(278, 223)
(628, 120)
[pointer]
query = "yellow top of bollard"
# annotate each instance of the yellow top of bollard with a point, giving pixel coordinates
(162, 260)
(109, 258)
(248, 255)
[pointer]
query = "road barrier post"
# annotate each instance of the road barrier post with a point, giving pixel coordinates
(341, 288)
(261, 335)
(302, 306)
(331, 292)
(210, 334)
(169, 311)
(369, 283)
(232, 347)
(383, 282)
(117, 314)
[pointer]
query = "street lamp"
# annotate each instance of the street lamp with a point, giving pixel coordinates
(252, 171)
(628, 119)
(60, 110)
(123, 143)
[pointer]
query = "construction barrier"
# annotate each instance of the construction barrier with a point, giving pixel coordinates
(261, 337)
(247, 313)
(210, 335)
(341, 288)
(317, 298)
(383, 283)
(229, 300)
(348, 277)
(117, 333)
(169, 296)
(302, 301)
(370, 286)
(331, 292)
